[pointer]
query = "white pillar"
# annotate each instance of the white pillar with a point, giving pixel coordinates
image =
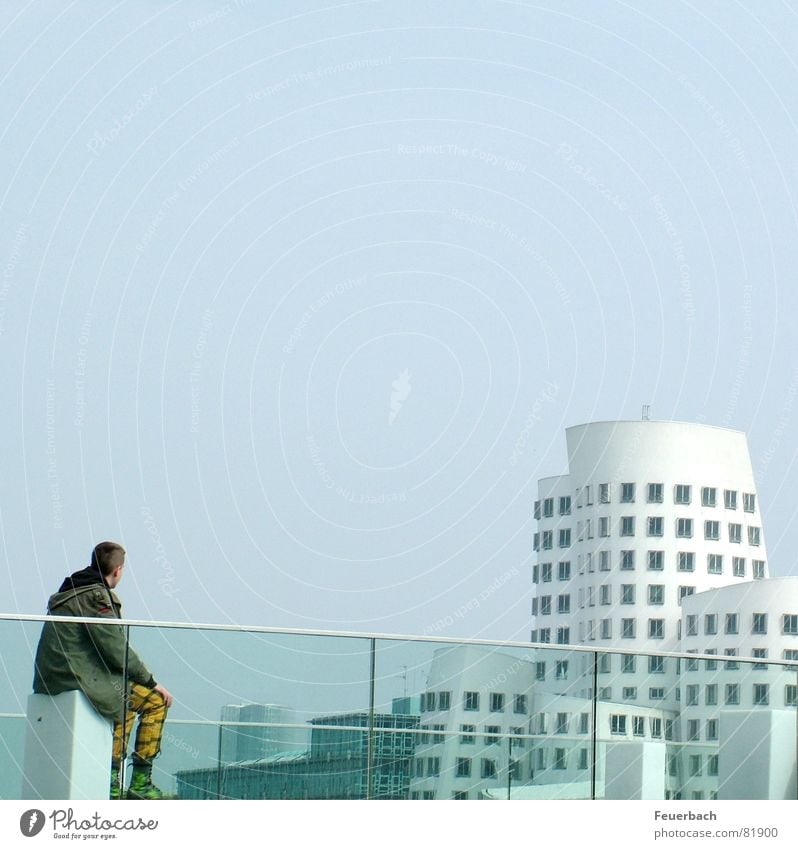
(67, 749)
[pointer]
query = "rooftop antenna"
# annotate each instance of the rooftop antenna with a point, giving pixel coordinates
(646, 412)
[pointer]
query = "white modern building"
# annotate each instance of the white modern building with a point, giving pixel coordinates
(651, 543)
(649, 513)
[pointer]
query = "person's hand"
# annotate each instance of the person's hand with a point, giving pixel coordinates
(167, 696)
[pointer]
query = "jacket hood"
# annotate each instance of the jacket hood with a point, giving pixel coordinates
(76, 584)
(84, 578)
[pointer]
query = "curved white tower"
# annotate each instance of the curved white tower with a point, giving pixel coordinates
(649, 513)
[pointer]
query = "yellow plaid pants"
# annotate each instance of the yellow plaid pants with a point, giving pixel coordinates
(150, 708)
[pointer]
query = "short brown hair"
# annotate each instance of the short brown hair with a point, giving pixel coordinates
(107, 556)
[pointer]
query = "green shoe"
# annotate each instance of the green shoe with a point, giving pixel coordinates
(141, 787)
(114, 791)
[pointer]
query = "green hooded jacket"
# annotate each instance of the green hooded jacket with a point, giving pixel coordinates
(87, 657)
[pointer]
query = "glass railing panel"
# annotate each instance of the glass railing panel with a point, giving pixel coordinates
(478, 710)
(252, 713)
(18, 642)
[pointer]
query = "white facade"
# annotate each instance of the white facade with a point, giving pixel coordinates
(648, 513)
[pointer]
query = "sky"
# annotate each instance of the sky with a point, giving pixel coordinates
(297, 299)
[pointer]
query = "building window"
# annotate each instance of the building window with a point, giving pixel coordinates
(604, 663)
(536, 511)
(711, 530)
(561, 726)
(656, 629)
(488, 768)
(730, 499)
(654, 526)
(684, 528)
(628, 560)
(564, 603)
(561, 670)
(563, 636)
(711, 665)
(444, 700)
(470, 700)
(753, 535)
(691, 625)
(429, 702)
(709, 496)
(691, 695)
(735, 532)
(617, 723)
(564, 570)
(565, 505)
(629, 694)
(749, 502)
(682, 493)
(738, 567)
(789, 623)
(656, 664)
(715, 564)
(545, 573)
(760, 653)
(433, 766)
(656, 693)
(695, 765)
(605, 594)
(656, 594)
(606, 629)
(627, 493)
(655, 491)
(627, 593)
(732, 623)
(791, 695)
(712, 767)
(627, 526)
(461, 795)
(604, 493)
(548, 508)
(468, 734)
(582, 759)
(761, 694)
(497, 702)
(518, 739)
(690, 664)
(588, 495)
(547, 540)
(544, 635)
(540, 670)
(693, 730)
(711, 695)
(520, 703)
(559, 759)
(628, 629)
(655, 725)
(604, 561)
(758, 569)
(604, 526)
(545, 605)
(540, 759)
(535, 606)
(711, 623)
(492, 733)
(656, 561)
(565, 538)
(628, 663)
(760, 624)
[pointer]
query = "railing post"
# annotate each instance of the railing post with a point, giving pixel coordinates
(595, 726)
(370, 741)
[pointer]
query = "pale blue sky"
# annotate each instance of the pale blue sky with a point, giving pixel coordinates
(231, 232)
